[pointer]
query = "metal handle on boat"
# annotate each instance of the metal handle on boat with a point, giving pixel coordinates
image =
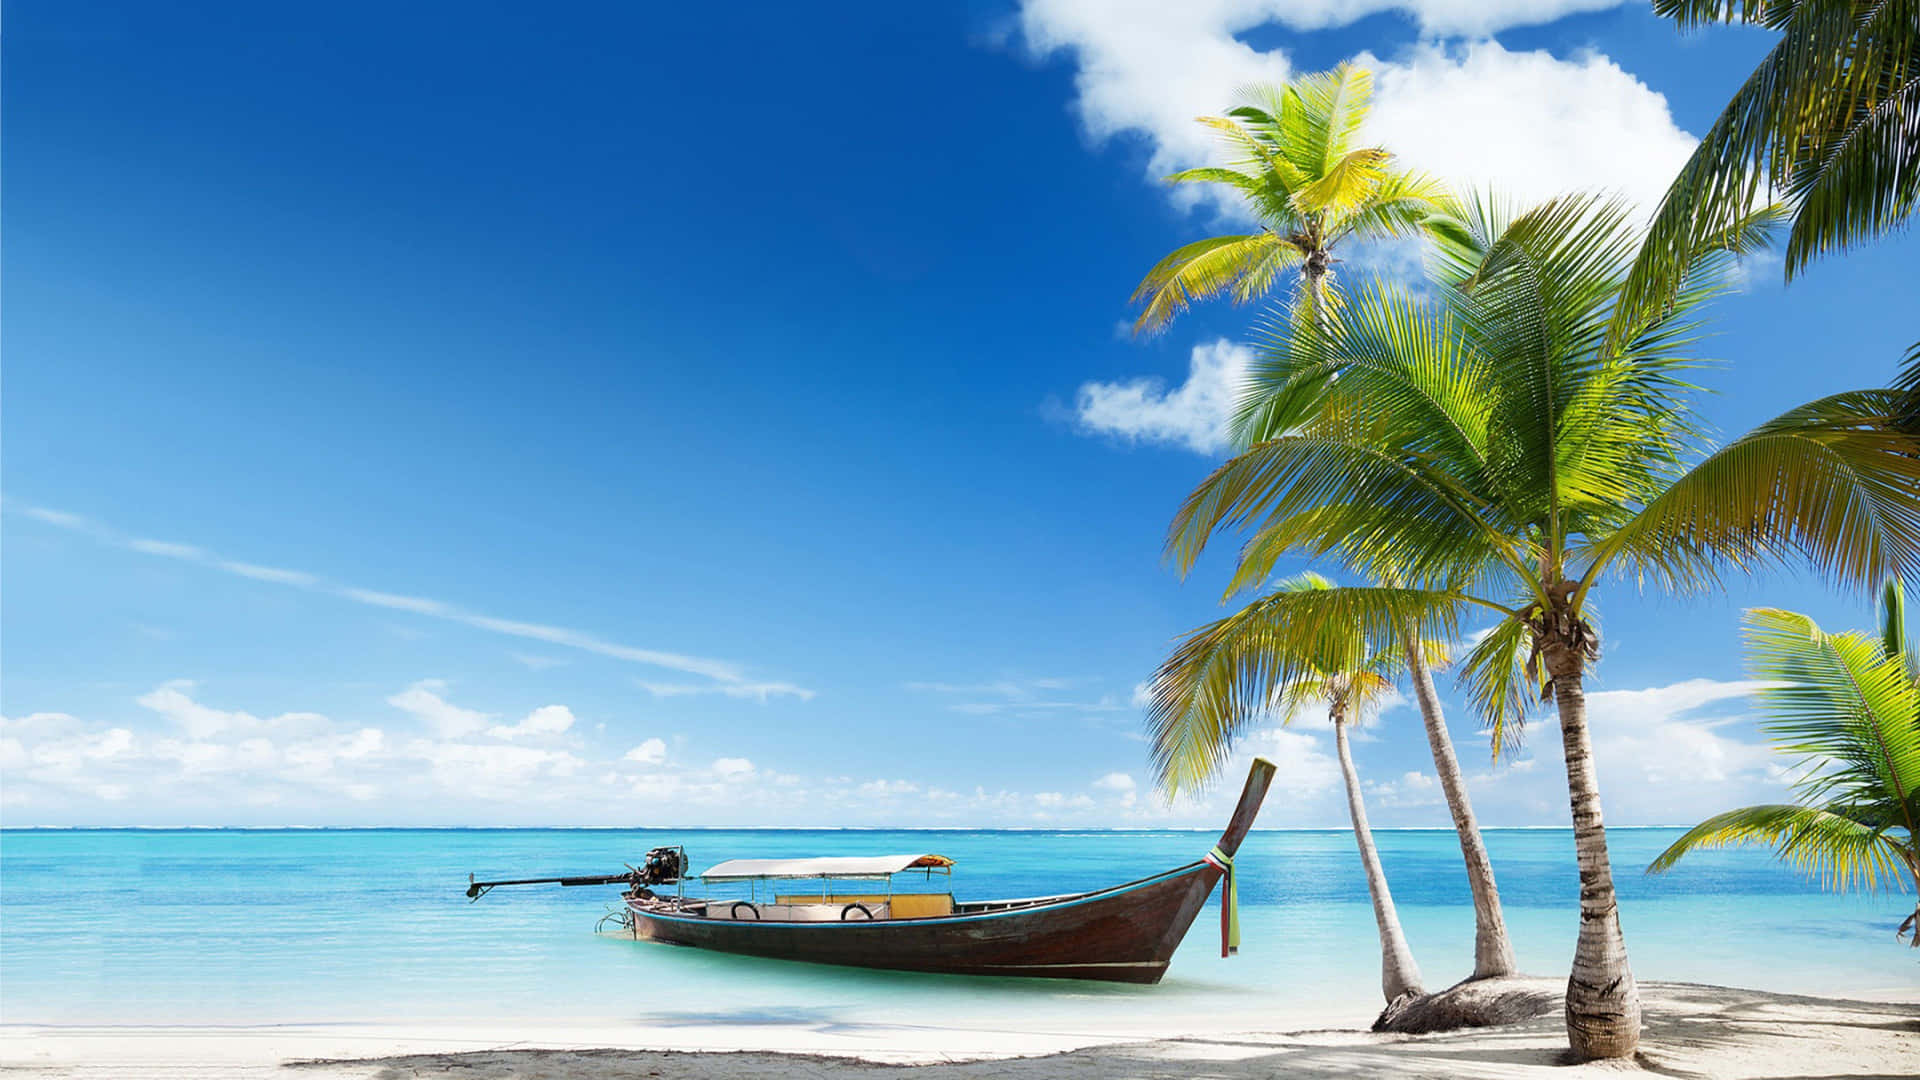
(866, 912)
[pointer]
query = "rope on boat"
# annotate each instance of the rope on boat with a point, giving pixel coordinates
(1229, 903)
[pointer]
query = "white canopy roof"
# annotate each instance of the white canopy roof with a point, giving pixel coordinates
(866, 866)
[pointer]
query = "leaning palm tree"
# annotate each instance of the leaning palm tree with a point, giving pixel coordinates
(1848, 706)
(1227, 675)
(1494, 448)
(1492, 949)
(1829, 122)
(1306, 184)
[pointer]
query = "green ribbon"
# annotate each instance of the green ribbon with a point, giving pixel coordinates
(1229, 904)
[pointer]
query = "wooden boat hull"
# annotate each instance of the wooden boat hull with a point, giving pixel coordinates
(1124, 934)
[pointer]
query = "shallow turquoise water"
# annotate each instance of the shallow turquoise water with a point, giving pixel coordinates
(247, 927)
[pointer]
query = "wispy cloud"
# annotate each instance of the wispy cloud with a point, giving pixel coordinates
(271, 573)
(729, 678)
(1017, 697)
(756, 691)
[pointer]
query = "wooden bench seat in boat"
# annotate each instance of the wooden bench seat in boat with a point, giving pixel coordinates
(903, 905)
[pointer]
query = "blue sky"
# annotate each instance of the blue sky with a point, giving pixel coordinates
(479, 415)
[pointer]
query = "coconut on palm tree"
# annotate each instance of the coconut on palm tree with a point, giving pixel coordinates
(1847, 706)
(1494, 448)
(1308, 187)
(1226, 676)
(1829, 122)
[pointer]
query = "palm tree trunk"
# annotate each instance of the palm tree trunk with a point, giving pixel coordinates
(1399, 975)
(1313, 284)
(1492, 951)
(1603, 1003)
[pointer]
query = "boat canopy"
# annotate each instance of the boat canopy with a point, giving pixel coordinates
(868, 866)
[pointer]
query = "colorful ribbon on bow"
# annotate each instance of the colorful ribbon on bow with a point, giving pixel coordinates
(1229, 903)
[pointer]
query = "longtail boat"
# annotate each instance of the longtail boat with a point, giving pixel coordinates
(1126, 933)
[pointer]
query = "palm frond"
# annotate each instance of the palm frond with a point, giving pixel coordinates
(1319, 493)
(1346, 184)
(1382, 355)
(1268, 658)
(1832, 482)
(1494, 676)
(1204, 269)
(1825, 121)
(1841, 703)
(1830, 846)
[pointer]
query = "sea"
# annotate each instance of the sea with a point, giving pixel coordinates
(232, 927)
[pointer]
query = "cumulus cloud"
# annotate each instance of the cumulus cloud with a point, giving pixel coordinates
(206, 763)
(1115, 781)
(1468, 110)
(1526, 123)
(650, 752)
(422, 700)
(545, 720)
(1193, 415)
(1664, 755)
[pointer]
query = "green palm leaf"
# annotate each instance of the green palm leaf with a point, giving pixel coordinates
(1270, 657)
(1838, 850)
(1297, 173)
(1830, 481)
(1827, 121)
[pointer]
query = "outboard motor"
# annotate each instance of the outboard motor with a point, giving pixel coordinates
(663, 866)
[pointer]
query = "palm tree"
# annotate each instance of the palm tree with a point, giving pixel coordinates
(1849, 707)
(1495, 448)
(1225, 676)
(1829, 121)
(1307, 186)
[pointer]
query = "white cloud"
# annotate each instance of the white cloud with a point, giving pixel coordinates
(877, 789)
(1526, 123)
(1303, 765)
(423, 701)
(172, 700)
(1193, 415)
(1013, 689)
(537, 663)
(57, 517)
(271, 573)
(1115, 781)
(416, 604)
(1471, 112)
(750, 691)
(545, 720)
(650, 752)
(1413, 788)
(732, 768)
(1664, 755)
(167, 550)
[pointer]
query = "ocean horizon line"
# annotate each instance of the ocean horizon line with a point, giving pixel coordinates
(1064, 829)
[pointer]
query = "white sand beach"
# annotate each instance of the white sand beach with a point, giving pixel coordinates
(1692, 1030)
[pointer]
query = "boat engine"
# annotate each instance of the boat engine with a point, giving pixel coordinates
(663, 866)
